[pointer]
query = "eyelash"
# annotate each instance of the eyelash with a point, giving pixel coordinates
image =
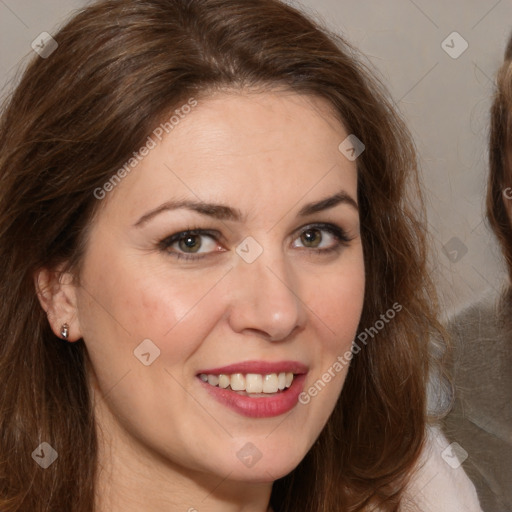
(337, 232)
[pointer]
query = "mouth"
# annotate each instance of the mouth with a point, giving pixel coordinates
(256, 389)
(254, 385)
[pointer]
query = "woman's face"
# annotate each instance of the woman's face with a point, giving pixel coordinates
(229, 257)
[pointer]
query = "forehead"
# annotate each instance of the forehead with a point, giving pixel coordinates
(241, 148)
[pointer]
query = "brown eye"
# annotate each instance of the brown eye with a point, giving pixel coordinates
(322, 238)
(311, 238)
(190, 243)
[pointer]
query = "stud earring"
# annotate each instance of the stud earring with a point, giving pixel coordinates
(64, 331)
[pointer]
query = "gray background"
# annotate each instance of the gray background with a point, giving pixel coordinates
(444, 100)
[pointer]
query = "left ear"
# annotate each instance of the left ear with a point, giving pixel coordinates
(56, 292)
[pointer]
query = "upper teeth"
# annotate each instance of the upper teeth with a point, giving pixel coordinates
(252, 382)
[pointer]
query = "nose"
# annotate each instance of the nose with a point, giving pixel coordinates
(265, 300)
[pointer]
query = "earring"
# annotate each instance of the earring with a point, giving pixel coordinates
(64, 331)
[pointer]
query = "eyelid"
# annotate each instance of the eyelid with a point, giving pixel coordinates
(319, 225)
(192, 231)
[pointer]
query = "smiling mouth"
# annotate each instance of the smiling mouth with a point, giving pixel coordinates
(253, 385)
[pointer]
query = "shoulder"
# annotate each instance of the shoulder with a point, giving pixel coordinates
(481, 416)
(479, 365)
(480, 321)
(439, 482)
(481, 374)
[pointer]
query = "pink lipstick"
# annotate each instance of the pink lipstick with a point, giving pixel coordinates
(256, 389)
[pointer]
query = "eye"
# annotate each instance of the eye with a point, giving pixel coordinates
(194, 244)
(191, 244)
(322, 238)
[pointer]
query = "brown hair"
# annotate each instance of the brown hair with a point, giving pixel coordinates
(73, 121)
(500, 159)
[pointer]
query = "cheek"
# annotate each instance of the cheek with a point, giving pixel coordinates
(337, 302)
(127, 303)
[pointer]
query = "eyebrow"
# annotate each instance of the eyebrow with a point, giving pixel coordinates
(222, 212)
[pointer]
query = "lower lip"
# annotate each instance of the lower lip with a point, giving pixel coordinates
(262, 407)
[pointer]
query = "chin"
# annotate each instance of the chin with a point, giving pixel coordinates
(264, 473)
(272, 462)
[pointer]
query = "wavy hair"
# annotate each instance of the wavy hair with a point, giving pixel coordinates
(70, 124)
(499, 187)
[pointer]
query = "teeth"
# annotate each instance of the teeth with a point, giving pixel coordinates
(237, 382)
(270, 383)
(213, 380)
(252, 382)
(224, 381)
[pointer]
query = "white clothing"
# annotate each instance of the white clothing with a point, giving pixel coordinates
(440, 484)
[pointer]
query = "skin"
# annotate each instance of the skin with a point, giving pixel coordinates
(165, 444)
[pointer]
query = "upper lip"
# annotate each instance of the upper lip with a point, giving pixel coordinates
(260, 367)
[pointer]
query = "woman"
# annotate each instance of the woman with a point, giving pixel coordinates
(203, 218)
(481, 420)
